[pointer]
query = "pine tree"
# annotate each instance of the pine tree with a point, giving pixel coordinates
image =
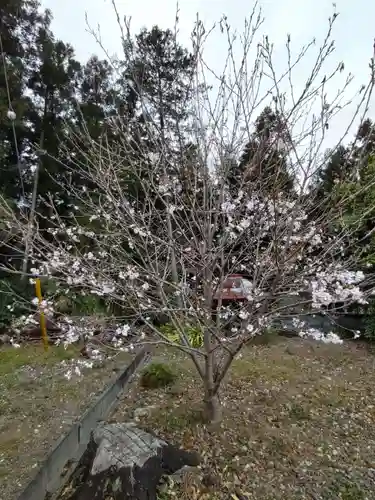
(161, 72)
(53, 81)
(366, 136)
(263, 162)
(18, 19)
(339, 166)
(97, 96)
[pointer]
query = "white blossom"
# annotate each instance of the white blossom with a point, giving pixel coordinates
(250, 328)
(243, 314)
(123, 330)
(11, 115)
(228, 207)
(171, 209)
(329, 338)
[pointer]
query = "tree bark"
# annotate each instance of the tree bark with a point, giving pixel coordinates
(212, 408)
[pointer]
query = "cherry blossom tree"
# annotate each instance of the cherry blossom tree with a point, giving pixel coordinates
(170, 245)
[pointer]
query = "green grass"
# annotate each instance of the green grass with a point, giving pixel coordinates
(185, 418)
(33, 355)
(262, 368)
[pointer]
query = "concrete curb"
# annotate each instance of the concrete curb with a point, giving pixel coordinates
(69, 449)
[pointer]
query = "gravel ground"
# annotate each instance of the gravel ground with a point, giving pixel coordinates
(38, 404)
(299, 423)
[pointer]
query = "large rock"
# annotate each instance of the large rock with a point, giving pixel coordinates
(123, 462)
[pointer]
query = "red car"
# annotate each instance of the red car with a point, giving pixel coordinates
(236, 288)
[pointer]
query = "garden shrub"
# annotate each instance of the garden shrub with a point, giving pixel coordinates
(193, 332)
(157, 375)
(79, 304)
(88, 305)
(370, 323)
(15, 299)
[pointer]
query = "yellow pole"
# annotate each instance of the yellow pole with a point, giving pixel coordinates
(43, 328)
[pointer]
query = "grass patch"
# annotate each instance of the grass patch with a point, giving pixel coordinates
(33, 355)
(298, 412)
(345, 489)
(269, 336)
(184, 418)
(261, 369)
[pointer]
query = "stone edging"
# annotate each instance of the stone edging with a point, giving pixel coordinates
(69, 449)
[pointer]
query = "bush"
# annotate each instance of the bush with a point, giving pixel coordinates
(370, 323)
(79, 304)
(157, 375)
(15, 299)
(193, 333)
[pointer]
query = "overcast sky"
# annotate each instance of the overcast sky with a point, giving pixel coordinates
(354, 29)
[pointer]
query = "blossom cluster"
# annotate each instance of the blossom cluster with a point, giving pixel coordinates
(127, 256)
(337, 285)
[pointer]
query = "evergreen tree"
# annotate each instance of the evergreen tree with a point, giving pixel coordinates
(366, 137)
(161, 73)
(18, 19)
(336, 170)
(263, 163)
(53, 81)
(97, 96)
(346, 163)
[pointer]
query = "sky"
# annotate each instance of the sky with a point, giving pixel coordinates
(354, 31)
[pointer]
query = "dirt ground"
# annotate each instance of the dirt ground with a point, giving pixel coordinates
(38, 404)
(299, 423)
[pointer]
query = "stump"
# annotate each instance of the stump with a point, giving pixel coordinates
(123, 462)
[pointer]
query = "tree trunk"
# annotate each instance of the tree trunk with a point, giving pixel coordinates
(212, 408)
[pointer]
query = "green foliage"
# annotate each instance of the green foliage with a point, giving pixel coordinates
(193, 333)
(339, 167)
(14, 299)
(161, 63)
(88, 305)
(6, 301)
(157, 375)
(370, 323)
(269, 163)
(77, 303)
(298, 412)
(355, 202)
(185, 418)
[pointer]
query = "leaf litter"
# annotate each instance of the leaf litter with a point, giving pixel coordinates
(298, 423)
